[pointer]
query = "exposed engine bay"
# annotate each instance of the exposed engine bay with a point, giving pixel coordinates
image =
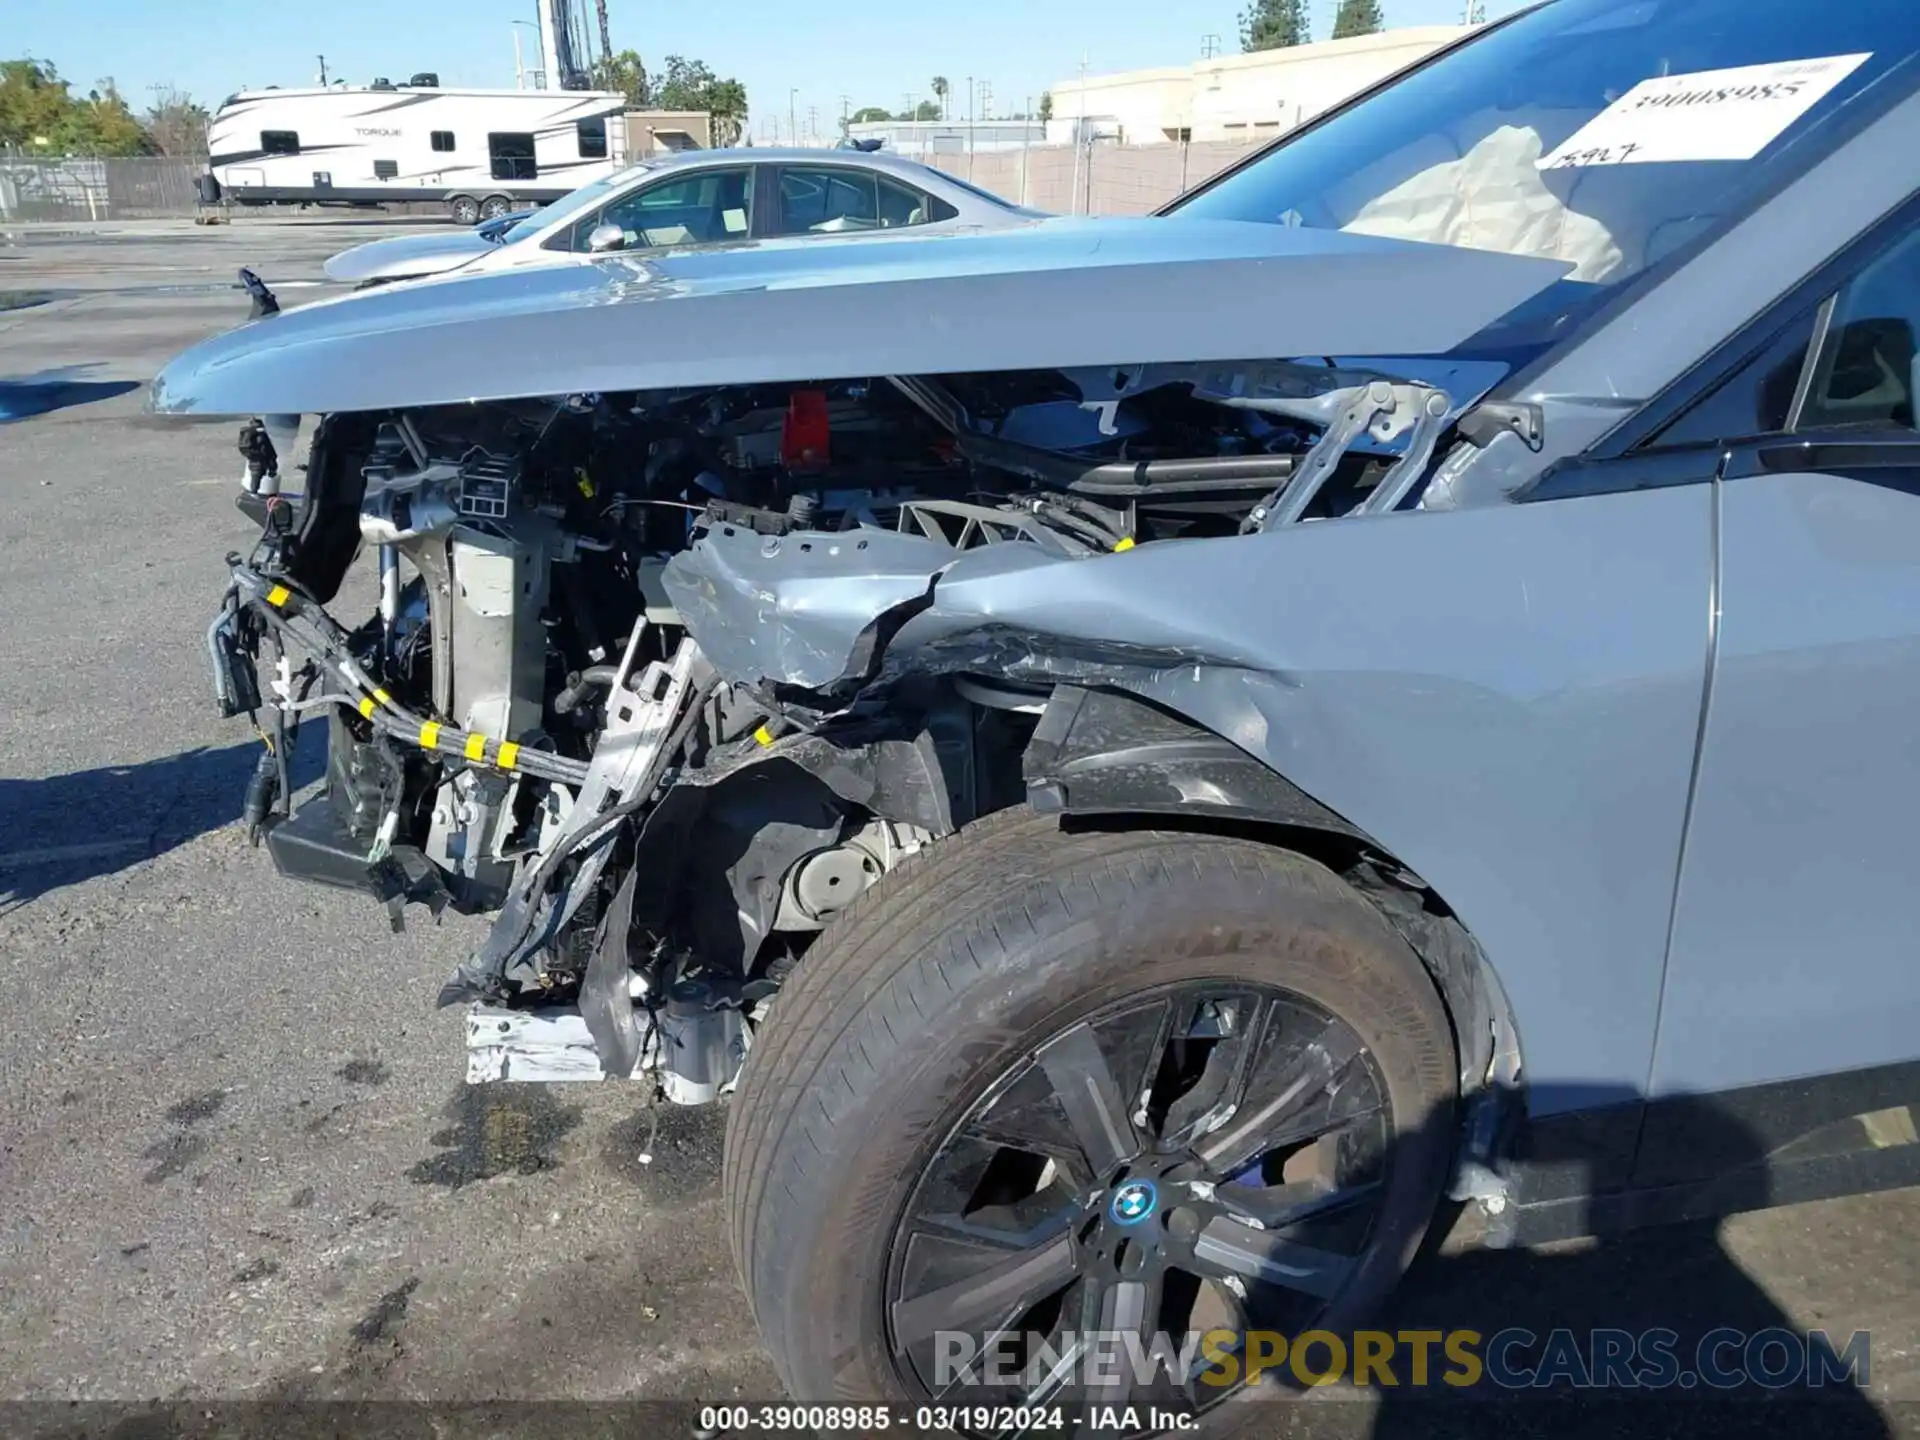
(659, 677)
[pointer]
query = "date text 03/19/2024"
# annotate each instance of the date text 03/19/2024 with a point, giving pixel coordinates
(813, 1420)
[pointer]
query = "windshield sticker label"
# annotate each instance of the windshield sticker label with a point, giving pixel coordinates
(1708, 115)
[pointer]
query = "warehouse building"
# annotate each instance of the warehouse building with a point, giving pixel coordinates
(919, 138)
(1236, 97)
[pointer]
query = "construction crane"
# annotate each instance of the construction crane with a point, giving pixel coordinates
(606, 36)
(565, 45)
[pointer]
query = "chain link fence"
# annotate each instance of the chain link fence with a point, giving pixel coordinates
(1100, 179)
(76, 188)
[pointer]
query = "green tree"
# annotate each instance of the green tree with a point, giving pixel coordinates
(39, 114)
(691, 85)
(727, 104)
(866, 114)
(925, 110)
(941, 89)
(1358, 17)
(34, 104)
(625, 73)
(1274, 24)
(110, 127)
(1046, 105)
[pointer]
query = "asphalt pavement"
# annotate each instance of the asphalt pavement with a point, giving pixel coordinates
(237, 1160)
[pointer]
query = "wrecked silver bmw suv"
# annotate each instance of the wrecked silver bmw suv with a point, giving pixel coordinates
(1145, 755)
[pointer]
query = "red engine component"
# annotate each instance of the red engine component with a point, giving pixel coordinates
(806, 433)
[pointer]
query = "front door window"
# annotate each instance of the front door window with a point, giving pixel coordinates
(703, 208)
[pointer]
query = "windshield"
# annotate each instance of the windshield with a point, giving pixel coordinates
(572, 203)
(1605, 133)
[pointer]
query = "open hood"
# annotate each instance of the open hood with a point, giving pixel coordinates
(1052, 295)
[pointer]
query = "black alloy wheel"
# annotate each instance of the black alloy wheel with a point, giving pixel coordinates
(1207, 1157)
(1040, 1083)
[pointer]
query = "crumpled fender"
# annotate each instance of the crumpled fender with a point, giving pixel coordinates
(1506, 698)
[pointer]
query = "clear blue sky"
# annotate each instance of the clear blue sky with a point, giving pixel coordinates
(874, 53)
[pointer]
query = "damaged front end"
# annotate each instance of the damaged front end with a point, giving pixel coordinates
(667, 677)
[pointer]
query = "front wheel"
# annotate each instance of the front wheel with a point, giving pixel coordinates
(1037, 1086)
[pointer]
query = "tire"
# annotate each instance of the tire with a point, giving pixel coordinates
(494, 206)
(971, 961)
(464, 209)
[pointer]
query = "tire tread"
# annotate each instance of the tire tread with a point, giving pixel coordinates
(886, 958)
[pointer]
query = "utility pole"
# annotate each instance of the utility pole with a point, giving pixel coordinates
(846, 117)
(520, 70)
(793, 122)
(969, 127)
(986, 112)
(1209, 46)
(1026, 149)
(813, 123)
(1079, 136)
(1476, 12)
(323, 72)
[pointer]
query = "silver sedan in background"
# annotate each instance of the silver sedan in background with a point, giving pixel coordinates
(706, 197)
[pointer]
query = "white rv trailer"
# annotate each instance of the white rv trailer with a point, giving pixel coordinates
(483, 152)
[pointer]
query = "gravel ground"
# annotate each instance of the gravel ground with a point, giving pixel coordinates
(236, 1159)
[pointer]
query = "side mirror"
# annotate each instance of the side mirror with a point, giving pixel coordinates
(605, 238)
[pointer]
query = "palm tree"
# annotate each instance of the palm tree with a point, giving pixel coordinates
(940, 89)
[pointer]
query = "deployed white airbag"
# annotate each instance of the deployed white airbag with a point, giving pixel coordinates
(1492, 198)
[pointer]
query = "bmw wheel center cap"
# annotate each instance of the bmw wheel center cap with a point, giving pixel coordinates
(1134, 1202)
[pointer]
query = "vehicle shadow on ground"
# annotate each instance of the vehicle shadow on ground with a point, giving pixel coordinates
(1573, 1335)
(66, 829)
(23, 397)
(1577, 1300)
